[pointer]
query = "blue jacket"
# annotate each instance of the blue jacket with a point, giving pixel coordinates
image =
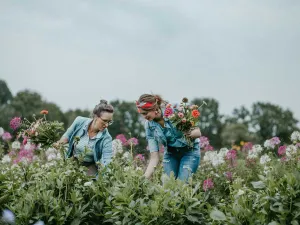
(103, 146)
(156, 135)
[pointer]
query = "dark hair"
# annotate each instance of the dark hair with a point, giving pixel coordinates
(152, 99)
(103, 106)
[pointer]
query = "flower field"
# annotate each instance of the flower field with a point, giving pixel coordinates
(245, 184)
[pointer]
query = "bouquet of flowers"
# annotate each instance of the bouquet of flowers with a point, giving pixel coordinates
(41, 131)
(184, 118)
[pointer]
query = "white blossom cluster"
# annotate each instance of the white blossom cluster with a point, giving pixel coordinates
(295, 137)
(214, 157)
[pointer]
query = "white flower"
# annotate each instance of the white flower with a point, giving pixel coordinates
(264, 159)
(294, 137)
(39, 223)
(256, 149)
(117, 146)
(240, 192)
(127, 168)
(25, 161)
(252, 155)
(87, 184)
(268, 144)
(126, 155)
(6, 159)
(50, 151)
(267, 169)
(290, 150)
(16, 145)
(8, 216)
(29, 146)
(79, 180)
(223, 152)
(1, 131)
(51, 157)
(139, 168)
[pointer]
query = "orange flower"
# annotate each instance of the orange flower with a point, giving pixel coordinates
(195, 113)
(45, 112)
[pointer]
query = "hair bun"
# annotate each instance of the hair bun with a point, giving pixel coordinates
(102, 101)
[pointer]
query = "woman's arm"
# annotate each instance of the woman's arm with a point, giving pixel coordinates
(154, 159)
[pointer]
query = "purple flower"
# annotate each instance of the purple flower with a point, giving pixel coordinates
(6, 136)
(208, 184)
(133, 141)
(15, 123)
(282, 150)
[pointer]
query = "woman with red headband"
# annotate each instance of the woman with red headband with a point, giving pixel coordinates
(179, 158)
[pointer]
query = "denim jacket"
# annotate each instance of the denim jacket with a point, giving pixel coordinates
(155, 135)
(103, 146)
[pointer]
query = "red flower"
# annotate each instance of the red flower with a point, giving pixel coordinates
(195, 113)
(44, 112)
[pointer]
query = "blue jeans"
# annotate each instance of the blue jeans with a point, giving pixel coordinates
(182, 162)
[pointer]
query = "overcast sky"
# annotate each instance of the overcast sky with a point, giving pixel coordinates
(74, 52)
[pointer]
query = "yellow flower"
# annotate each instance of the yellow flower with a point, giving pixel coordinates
(242, 143)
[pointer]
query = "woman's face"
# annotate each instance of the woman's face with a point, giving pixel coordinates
(103, 121)
(148, 115)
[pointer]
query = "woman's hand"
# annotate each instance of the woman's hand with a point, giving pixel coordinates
(194, 133)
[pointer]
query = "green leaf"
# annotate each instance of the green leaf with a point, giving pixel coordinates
(217, 215)
(258, 184)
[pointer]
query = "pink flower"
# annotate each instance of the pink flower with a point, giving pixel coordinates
(275, 141)
(183, 120)
(180, 114)
(247, 146)
(168, 112)
(133, 141)
(6, 136)
(282, 150)
(15, 123)
(208, 148)
(25, 141)
(283, 159)
(140, 157)
(231, 154)
(208, 184)
(298, 145)
(122, 138)
(228, 175)
(204, 142)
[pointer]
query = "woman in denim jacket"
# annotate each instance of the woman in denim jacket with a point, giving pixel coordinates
(88, 138)
(178, 159)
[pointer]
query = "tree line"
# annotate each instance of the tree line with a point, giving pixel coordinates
(256, 124)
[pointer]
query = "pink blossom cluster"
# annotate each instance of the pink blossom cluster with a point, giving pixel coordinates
(204, 144)
(228, 175)
(6, 136)
(24, 155)
(139, 157)
(275, 141)
(231, 155)
(131, 141)
(208, 184)
(247, 146)
(282, 150)
(15, 123)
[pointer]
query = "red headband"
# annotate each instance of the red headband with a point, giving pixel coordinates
(144, 105)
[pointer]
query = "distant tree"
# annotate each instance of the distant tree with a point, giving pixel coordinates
(5, 94)
(210, 120)
(271, 120)
(70, 115)
(234, 133)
